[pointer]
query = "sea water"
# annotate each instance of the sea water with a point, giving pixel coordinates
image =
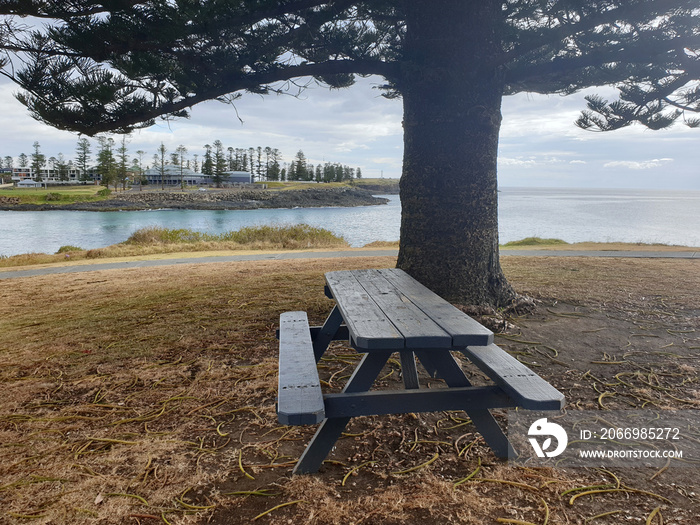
(573, 215)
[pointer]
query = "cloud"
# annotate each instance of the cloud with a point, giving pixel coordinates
(539, 144)
(637, 165)
(531, 161)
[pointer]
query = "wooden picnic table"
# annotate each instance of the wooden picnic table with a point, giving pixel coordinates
(382, 312)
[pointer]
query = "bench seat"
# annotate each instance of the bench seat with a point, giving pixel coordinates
(523, 385)
(300, 400)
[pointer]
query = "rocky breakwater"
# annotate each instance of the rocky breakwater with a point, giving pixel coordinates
(11, 201)
(244, 199)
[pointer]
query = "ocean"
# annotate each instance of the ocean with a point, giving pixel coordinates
(573, 215)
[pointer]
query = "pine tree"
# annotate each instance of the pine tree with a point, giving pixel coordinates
(207, 163)
(160, 161)
(83, 158)
(106, 163)
(38, 161)
(275, 169)
(62, 167)
(180, 153)
(139, 164)
(219, 161)
(451, 61)
(300, 169)
(122, 165)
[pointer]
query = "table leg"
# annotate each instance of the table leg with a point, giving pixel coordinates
(449, 369)
(409, 372)
(328, 331)
(331, 429)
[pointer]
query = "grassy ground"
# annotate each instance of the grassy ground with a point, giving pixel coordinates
(159, 242)
(147, 396)
(55, 195)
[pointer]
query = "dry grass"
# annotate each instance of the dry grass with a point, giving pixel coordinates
(158, 240)
(147, 395)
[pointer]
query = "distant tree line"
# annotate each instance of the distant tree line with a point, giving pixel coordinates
(116, 166)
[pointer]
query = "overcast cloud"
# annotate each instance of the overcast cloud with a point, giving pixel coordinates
(539, 146)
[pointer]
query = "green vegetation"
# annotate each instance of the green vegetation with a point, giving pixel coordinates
(64, 195)
(68, 249)
(534, 241)
(288, 237)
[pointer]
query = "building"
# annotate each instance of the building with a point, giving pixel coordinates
(71, 175)
(173, 176)
(237, 177)
(29, 183)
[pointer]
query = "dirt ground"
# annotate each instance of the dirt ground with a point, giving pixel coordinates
(147, 396)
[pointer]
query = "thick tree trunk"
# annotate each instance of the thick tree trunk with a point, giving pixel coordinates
(452, 97)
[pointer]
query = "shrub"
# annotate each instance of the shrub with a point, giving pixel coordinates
(68, 248)
(104, 192)
(534, 241)
(295, 236)
(159, 235)
(53, 196)
(95, 254)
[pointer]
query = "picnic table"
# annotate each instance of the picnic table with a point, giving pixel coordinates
(382, 312)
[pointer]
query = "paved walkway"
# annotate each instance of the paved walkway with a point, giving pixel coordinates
(10, 274)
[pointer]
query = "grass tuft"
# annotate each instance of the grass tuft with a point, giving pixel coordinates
(535, 241)
(157, 240)
(267, 236)
(68, 249)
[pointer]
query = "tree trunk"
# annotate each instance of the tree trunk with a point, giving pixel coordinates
(452, 95)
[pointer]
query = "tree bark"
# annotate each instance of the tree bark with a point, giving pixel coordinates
(452, 91)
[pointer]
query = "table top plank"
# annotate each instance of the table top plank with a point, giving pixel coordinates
(463, 329)
(368, 326)
(417, 328)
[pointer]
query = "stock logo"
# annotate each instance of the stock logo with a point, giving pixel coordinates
(541, 428)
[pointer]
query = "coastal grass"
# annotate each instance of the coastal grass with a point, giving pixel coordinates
(57, 194)
(154, 241)
(534, 241)
(148, 396)
(159, 240)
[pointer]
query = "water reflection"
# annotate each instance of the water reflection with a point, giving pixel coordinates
(669, 217)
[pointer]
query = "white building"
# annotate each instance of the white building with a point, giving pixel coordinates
(72, 175)
(172, 176)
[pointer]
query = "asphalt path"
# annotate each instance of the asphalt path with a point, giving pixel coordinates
(31, 272)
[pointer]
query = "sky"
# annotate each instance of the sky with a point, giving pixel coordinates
(539, 144)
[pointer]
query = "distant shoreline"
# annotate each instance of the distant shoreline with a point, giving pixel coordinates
(216, 200)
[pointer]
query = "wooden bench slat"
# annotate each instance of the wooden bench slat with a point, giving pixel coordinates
(525, 387)
(369, 328)
(300, 399)
(417, 328)
(463, 329)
